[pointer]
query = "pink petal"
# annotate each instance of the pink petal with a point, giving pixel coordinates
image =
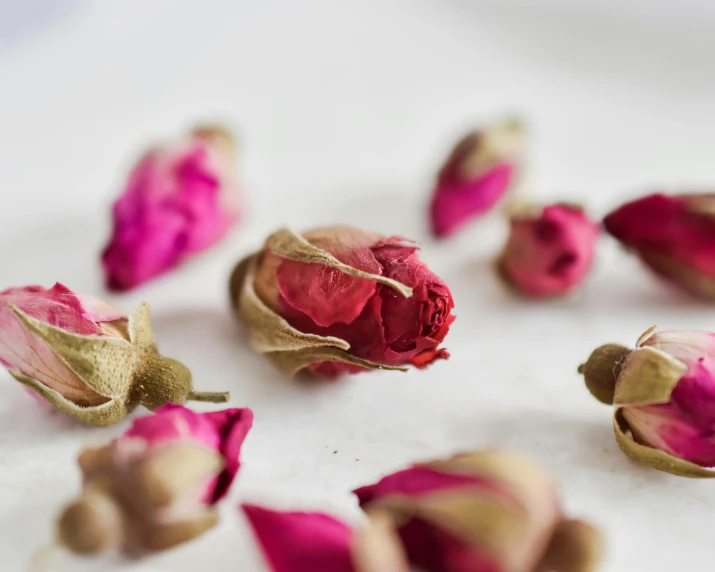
(457, 200)
(301, 541)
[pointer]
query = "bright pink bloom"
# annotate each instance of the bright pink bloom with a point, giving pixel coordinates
(26, 354)
(181, 199)
(221, 431)
(482, 167)
(380, 324)
(549, 253)
(672, 234)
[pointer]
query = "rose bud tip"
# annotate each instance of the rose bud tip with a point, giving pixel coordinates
(91, 524)
(602, 369)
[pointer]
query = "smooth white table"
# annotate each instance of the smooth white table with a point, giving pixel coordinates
(345, 110)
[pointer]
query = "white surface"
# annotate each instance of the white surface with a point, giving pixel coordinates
(346, 109)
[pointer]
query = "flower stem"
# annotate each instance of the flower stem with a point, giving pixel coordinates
(209, 396)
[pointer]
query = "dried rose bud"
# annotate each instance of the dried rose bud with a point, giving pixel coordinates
(302, 541)
(86, 357)
(549, 251)
(487, 510)
(181, 198)
(157, 485)
(482, 167)
(673, 235)
(340, 300)
(664, 395)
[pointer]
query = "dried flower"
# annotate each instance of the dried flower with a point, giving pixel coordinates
(339, 300)
(674, 235)
(87, 357)
(483, 511)
(549, 251)
(157, 485)
(664, 395)
(302, 541)
(482, 167)
(181, 198)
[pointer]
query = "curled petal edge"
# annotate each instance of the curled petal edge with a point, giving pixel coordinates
(654, 457)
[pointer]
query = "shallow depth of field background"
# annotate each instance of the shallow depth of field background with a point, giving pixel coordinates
(344, 110)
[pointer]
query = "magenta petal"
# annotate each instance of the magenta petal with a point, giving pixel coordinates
(174, 423)
(301, 541)
(456, 201)
(232, 426)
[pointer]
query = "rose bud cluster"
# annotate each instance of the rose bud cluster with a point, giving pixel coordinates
(341, 300)
(674, 235)
(482, 167)
(302, 541)
(181, 198)
(157, 485)
(663, 392)
(549, 251)
(86, 357)
(484, 511)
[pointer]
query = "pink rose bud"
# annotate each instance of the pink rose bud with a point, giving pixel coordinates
(157, 485)
(664, 396)
(316, 542)
(86, 357)
(181, 198)
(482, 167)
(489, 511)
(340, 300)
(549, 252)
(673, 235)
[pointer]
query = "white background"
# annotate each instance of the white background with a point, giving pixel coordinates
(345, 110)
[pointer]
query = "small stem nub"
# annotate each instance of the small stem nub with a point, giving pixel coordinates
(602, 369)
(209, 396)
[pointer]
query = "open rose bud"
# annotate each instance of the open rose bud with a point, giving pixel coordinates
(487, 511)
(181, 198)
(340, 300)
(482, 167)
(664, 396)
(317, 542)
(157, 485)
(674, 235)
(86, 357)
(549, 251)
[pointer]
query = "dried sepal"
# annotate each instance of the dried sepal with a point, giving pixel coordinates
(575, 546)
(648, 377)
(655, 457)
(289, 349)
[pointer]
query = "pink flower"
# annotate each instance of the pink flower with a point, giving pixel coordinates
(488, 511)
(316, 542)
(339, 300)
(158, 484)
(549, 252)
(674, 235)
(86, 357)
(482, 167)
(664, 393)
(180, 199)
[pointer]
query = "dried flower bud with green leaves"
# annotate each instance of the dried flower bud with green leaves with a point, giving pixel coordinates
(341, 300)
(86, 357)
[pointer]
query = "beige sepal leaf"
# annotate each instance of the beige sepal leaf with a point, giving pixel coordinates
(376, 546)
(103, 415)
(648, 377)
(288, 348)
(575, 546)
(289, 244)
(655, 457)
